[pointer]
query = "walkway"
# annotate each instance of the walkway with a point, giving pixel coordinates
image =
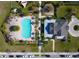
(53, 48)
(74, 21)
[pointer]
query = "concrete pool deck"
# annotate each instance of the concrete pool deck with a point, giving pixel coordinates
(17, 34)
(74, 21)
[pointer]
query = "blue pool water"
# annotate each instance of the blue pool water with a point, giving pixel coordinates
(26, 27)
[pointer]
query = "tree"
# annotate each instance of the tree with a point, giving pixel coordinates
(11, 42)
(76, 27)
(78, 49)
(14, 28)
(56, 5)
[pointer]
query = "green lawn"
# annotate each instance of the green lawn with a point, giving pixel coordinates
(62, 11)
(26, 48)
(4, 10)
(14, 4)
(3, 45)
(72, 45)
(47, 46)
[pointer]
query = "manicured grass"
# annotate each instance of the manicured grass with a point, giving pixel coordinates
(3, 45)
(14, 4)
(62, 11)
(47, 47)
(34, 48)
(16, 47)
(26, 48)
(71, 45)
(76, 8)
(4, 11)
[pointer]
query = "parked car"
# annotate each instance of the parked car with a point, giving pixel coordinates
(66, 56)
(62, 55)
(47, 55)
(76, 56)
(19, 56)
(11, 56)
(30, 56)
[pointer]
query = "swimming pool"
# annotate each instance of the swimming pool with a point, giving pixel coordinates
(26, 27)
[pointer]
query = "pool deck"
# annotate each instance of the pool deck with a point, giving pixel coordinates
(17, 21)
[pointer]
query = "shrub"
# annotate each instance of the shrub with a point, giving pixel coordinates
(14, 28)
(76, 27)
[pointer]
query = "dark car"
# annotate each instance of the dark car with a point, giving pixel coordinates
(76, 56)
(62, 55)
(11, 56)
(65, 56)
(47, 55)
(19, 56)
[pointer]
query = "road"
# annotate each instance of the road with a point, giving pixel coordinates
(32, 54)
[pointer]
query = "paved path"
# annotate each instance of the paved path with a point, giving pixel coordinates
(39, 47)
(40, 51)
(74, 21)
(53, 46)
